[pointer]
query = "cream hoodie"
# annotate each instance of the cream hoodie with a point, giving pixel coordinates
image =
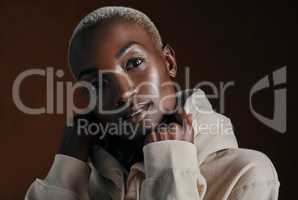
(213, 168)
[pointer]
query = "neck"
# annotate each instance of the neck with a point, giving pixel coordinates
(127, 152)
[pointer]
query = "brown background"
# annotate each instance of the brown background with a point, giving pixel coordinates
(238, 41)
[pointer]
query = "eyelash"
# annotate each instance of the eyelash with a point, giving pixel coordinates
(139, 60)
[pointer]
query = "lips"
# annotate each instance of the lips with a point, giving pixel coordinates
(139, 109)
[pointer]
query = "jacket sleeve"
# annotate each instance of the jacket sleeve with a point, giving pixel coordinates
(172, 171)
(67, 179)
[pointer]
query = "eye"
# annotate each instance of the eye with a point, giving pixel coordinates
(133, 63)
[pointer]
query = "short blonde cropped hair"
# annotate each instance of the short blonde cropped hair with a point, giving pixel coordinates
(104, 14)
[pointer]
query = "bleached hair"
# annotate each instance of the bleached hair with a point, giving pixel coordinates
(124, 13)
(105, 14)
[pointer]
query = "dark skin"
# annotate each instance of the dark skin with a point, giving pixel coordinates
(128, 48)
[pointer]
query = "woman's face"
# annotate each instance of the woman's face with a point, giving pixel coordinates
(131, 74)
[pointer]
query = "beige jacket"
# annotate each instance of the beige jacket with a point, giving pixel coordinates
(212, 168)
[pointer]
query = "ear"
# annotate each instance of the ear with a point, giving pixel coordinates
(171, 63)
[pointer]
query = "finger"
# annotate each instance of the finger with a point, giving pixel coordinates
(174, 131)
(151, 137)
(189, 117)
(163, 135)
(185, 117)
(187, 125)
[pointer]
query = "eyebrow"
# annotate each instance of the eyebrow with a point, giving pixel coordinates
(91, 70)
(122, 50)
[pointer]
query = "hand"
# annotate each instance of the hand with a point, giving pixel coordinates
(179, 129)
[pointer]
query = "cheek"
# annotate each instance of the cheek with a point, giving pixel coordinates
(148, 82)
(167, 94)
(153, 82)
(167, 100)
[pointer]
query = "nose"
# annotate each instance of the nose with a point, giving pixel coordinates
(126, 90)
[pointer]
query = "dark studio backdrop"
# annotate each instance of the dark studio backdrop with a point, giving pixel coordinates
(221, 41)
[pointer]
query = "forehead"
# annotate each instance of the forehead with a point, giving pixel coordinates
(110, 37)
(102, 43)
